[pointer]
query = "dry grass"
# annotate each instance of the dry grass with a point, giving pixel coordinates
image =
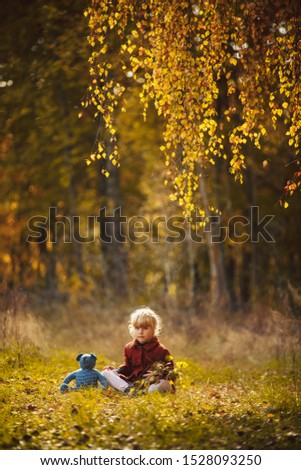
(92, 327)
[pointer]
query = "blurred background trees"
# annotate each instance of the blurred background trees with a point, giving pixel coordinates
(46, 138)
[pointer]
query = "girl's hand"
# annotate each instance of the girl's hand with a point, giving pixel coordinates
(109, 368)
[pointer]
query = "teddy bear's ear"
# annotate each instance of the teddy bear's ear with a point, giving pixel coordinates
(93, 356)
(79, 356)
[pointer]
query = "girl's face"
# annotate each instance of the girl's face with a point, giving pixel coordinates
(143, 333)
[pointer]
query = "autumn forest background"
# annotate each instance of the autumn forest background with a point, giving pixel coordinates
(235, 300)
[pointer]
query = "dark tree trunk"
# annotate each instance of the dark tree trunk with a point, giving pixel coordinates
(249, 276)
(72, 193)
(113, 245)
(49, 261)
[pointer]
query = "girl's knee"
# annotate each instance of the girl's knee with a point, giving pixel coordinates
(162, 386)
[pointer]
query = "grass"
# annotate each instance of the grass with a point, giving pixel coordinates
(215, 407)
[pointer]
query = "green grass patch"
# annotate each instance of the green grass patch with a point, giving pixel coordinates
(214, 407)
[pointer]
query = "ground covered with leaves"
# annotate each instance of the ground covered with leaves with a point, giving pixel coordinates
(216, 406)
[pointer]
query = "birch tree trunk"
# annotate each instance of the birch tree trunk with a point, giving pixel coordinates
(219, 296)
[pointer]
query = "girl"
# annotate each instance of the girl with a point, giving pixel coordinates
(141, 354)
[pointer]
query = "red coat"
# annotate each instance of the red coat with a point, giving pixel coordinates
(138, 358)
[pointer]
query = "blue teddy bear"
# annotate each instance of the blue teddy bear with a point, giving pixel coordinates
(86, 376)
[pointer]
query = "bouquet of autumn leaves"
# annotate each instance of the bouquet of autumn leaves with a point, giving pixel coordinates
(158, 371)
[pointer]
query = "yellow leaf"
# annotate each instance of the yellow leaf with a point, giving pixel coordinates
(131, 48)
(181, 365)
(169, 358)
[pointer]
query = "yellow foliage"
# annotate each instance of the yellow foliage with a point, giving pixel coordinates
(180, 59)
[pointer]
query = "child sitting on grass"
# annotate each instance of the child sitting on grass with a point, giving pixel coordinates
(141, 355)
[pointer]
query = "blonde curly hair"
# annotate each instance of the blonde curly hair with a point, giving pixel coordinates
(144, 317)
